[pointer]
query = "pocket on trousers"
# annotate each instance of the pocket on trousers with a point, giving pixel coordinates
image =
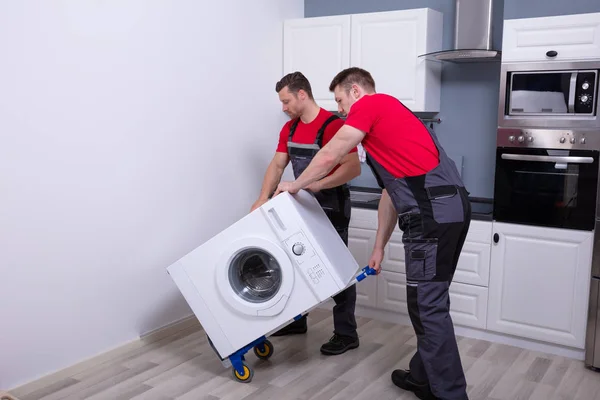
(446, 204)
(421, 259)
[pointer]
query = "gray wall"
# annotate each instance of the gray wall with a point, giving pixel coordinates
(469, 101)
(546, 8)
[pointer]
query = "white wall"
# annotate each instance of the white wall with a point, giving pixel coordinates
(113, 162)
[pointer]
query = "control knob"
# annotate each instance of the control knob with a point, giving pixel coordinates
(298, 249)
(585, 86)
(511, 138)
(521, 139)
(530, 139)
(582, 141)
(562, 140)
(572, 140)
(585, 99)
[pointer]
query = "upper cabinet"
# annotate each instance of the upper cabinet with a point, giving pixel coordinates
(319, 48)
(387, 44)
(566, 37)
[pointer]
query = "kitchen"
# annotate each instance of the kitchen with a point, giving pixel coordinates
(514, 289)
(525, 275)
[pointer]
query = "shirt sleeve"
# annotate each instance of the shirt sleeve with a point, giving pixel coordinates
(362, 115)
(283, 139)
(332, 129)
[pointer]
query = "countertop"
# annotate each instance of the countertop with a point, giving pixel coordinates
(366, 197)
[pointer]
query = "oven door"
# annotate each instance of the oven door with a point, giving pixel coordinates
(542, 187)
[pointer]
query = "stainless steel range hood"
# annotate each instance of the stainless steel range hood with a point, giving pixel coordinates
(472, 35)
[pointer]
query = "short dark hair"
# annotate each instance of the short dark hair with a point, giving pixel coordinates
(295, 81)
(352, 76)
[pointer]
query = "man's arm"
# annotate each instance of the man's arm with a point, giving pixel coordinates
(349, 169)
(272, 178)
(387, 217)
(326, 159)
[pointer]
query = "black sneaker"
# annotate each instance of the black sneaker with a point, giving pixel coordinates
(403, 380)
(339, 344)
(295, 328)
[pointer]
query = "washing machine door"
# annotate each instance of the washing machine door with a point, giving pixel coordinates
(255, 276)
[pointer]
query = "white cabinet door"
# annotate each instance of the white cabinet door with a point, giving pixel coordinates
(572, 37)
(319, 48)
(360, 243)
(387, 44)
(473, 265)
(391, 292)
(468, 303)
(539, 283)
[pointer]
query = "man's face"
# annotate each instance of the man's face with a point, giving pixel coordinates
(343, 99)
(291, 104)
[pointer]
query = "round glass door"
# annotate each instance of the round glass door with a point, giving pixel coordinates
(255, 275)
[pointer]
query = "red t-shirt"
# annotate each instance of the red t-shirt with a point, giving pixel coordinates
(307, 133)
(395, 137)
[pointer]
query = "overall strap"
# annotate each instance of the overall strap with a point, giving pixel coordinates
(319, 138)
(293, 129)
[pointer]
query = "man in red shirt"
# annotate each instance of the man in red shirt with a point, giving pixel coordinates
(309, 129)
(423, 190)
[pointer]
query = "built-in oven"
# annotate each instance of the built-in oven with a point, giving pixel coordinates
(550, 95)
(547, 178)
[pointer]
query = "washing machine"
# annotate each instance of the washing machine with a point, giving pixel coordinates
(257, 275)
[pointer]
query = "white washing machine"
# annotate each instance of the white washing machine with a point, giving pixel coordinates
(256, 276)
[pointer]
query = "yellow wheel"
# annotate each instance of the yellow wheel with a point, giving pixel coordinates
(245, 377)
(266, 352)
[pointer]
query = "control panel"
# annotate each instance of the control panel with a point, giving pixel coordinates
(549, 138)
(310, 265)
(585, 92)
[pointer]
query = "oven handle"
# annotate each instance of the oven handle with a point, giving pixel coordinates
(555, 159)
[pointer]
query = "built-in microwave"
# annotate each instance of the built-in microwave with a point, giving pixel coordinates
(550, 95)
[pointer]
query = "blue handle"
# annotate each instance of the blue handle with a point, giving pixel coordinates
(366, 271)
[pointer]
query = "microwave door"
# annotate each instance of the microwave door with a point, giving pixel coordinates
(542, 93)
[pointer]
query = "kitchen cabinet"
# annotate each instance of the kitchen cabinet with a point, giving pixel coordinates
(539, 283)
(319, 48)
(523, 283)
(387, 44)
(468, 292)
(360, 244)
(571, 37)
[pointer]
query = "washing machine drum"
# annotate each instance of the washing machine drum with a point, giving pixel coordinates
(255, 275)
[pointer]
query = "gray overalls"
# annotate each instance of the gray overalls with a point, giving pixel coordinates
(336, 204)
(434, 215)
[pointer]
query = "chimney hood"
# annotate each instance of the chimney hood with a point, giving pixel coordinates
(472, 35)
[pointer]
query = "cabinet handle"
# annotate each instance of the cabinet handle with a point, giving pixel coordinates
(551, 53)
(496, 238)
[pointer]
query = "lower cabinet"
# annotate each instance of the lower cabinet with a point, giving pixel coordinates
(539, 283)
(529, 282)
(468, 292)
(468, 303)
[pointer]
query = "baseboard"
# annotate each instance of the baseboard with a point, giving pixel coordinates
(527, 344)
(141, 341)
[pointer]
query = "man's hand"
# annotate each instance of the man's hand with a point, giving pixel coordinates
(376, 259)
(258, 203)
(286, 187)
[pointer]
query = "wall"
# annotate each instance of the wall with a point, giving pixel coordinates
(114, 118)
(469, 98)
(547, 8)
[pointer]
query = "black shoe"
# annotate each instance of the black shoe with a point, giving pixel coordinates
(405, 381)
(339, 344)
(295, 328)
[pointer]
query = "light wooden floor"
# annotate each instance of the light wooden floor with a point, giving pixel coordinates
(184, 367)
